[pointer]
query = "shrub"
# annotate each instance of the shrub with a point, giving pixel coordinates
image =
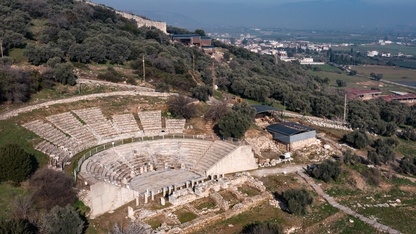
(62, 220)
(297, 200)
(52, 188)
(358, 139)
(182, 106)
(326, 171)
(16, 164)
(263, 228)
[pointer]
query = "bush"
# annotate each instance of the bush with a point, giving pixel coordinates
(297, 200)
(62, 220)
(201, 93)
(16, 165)
(263, 228)
(110, 75)
(52, 188)
(357, 139)
(350, 158)
(372, 176)
(182, 106)
(16, 226)
(326, 171)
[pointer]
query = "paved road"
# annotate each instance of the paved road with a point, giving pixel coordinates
(345, 209)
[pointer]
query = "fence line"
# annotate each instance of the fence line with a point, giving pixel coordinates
(109, 145)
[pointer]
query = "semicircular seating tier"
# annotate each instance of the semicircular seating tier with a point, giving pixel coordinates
(121, 165)
(69, 133)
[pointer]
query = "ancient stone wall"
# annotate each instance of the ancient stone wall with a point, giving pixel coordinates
(303, 143)
(104, 197)
(141, 22)
(241, 159)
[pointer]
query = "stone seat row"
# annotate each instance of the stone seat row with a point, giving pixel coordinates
(122, 163)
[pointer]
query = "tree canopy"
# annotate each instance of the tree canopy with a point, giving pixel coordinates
(16, 164)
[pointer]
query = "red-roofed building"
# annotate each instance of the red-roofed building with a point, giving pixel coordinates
(407, 98)
(362, 94)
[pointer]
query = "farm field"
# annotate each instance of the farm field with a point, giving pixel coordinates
(394, 49)
(360, 81)
(395, 74)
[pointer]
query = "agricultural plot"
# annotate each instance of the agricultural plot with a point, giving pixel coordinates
(395, 74)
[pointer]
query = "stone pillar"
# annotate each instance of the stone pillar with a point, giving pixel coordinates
(146, 196)
(192, 183)
(170, 190)
(141, 170)
(174, 187)
(137, 201)
(186, 184)
(130, 213)
(145, 169)
(164, 191)
(153, 195)
(162, 201)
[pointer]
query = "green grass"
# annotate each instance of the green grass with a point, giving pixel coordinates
(393, 48)
(17, 54)
(205, 203)
(7, 194)
(185, 215)
(251, 192)
(11, 132)
(319, 213)
(389, 73)
(340, 191)
(354, 82)
(328, 68)
(406, 148)
(346, 227)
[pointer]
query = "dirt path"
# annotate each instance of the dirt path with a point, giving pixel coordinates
(25, 109)
(345, 209)
(278, 170)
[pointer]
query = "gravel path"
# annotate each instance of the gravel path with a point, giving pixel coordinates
(278, 170)
(17, 111)
(345, 209)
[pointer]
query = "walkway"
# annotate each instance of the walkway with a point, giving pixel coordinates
(15, 112)
(345, 209)
(277, 170)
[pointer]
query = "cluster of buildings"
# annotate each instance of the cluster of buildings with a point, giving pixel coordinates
(404, 97)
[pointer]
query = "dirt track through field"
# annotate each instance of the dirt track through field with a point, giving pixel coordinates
(345, 209)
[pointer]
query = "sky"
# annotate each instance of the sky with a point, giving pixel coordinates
(291, 14)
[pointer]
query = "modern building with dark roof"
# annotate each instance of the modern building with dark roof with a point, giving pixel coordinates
(291, 135)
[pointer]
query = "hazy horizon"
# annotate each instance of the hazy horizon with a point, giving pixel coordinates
(294, 14)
